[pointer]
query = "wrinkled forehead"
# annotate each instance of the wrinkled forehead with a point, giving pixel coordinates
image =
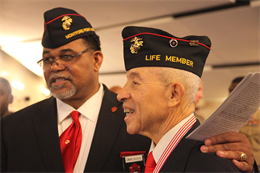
(142, 73)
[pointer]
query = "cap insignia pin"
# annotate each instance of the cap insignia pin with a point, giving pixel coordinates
(67, 22)
(173, 43)
(136, 45)
(194, 42)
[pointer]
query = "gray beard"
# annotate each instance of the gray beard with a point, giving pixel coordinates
(64, 95)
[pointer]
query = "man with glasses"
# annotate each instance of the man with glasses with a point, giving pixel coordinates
(81, 128)
(48, 136)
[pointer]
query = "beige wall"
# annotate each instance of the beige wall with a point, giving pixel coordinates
(207, 107)
(12, 70)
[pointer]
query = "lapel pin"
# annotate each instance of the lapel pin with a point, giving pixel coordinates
(113, 109)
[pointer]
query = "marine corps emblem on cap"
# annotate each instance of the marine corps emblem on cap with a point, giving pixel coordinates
(136, 46)
(173, 43)
(67, 22)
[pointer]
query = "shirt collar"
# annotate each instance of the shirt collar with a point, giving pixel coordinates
(165, 140)
(89, 109)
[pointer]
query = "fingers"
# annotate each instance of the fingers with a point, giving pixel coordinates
(229, 146)
(227, 137)
(243, 166)
(232, 141)
(237, 146)
(246, 166)
(235, 155)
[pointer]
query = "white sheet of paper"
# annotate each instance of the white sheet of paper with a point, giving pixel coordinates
(234, 112)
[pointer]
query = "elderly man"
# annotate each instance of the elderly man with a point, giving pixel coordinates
(163, 75)
(81, 127)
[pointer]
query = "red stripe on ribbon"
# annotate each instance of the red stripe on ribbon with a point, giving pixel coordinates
(173, 143)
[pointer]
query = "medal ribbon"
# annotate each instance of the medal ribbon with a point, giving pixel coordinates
(173, 143)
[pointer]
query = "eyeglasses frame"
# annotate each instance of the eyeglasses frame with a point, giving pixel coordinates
(73, 56)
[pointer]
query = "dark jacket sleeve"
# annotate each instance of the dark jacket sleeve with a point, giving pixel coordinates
(3, 166)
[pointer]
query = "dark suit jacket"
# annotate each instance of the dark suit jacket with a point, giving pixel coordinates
(187, 157)
(30, 140)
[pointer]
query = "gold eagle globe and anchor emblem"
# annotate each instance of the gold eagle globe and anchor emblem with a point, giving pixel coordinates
(136, 45)
(67, 22)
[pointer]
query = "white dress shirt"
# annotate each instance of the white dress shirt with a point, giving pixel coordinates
(165, 140)
(89, 112)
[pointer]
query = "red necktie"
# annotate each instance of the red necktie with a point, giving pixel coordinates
(150, 163)
(70, 142)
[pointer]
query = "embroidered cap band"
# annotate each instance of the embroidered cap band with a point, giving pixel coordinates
(144, 47)
(63, 26)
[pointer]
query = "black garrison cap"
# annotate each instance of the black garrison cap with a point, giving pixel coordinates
(150, 47)
(62, 25)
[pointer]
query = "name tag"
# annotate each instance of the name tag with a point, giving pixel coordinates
(135, 158)
(133, 161)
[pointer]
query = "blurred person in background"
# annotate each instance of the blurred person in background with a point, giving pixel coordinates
(252, 127)
(199, 95)
(115, 89)
(6, 97)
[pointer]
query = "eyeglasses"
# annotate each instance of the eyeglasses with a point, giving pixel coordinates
(65, 59)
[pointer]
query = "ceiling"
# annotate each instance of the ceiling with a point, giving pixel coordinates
(233, 28)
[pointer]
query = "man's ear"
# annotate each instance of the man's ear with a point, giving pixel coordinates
(177, 93)
(98, 59)
(11, 99)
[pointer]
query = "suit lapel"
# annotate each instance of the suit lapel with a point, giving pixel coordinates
(47, 134)
(177, 160)
(106, 132)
